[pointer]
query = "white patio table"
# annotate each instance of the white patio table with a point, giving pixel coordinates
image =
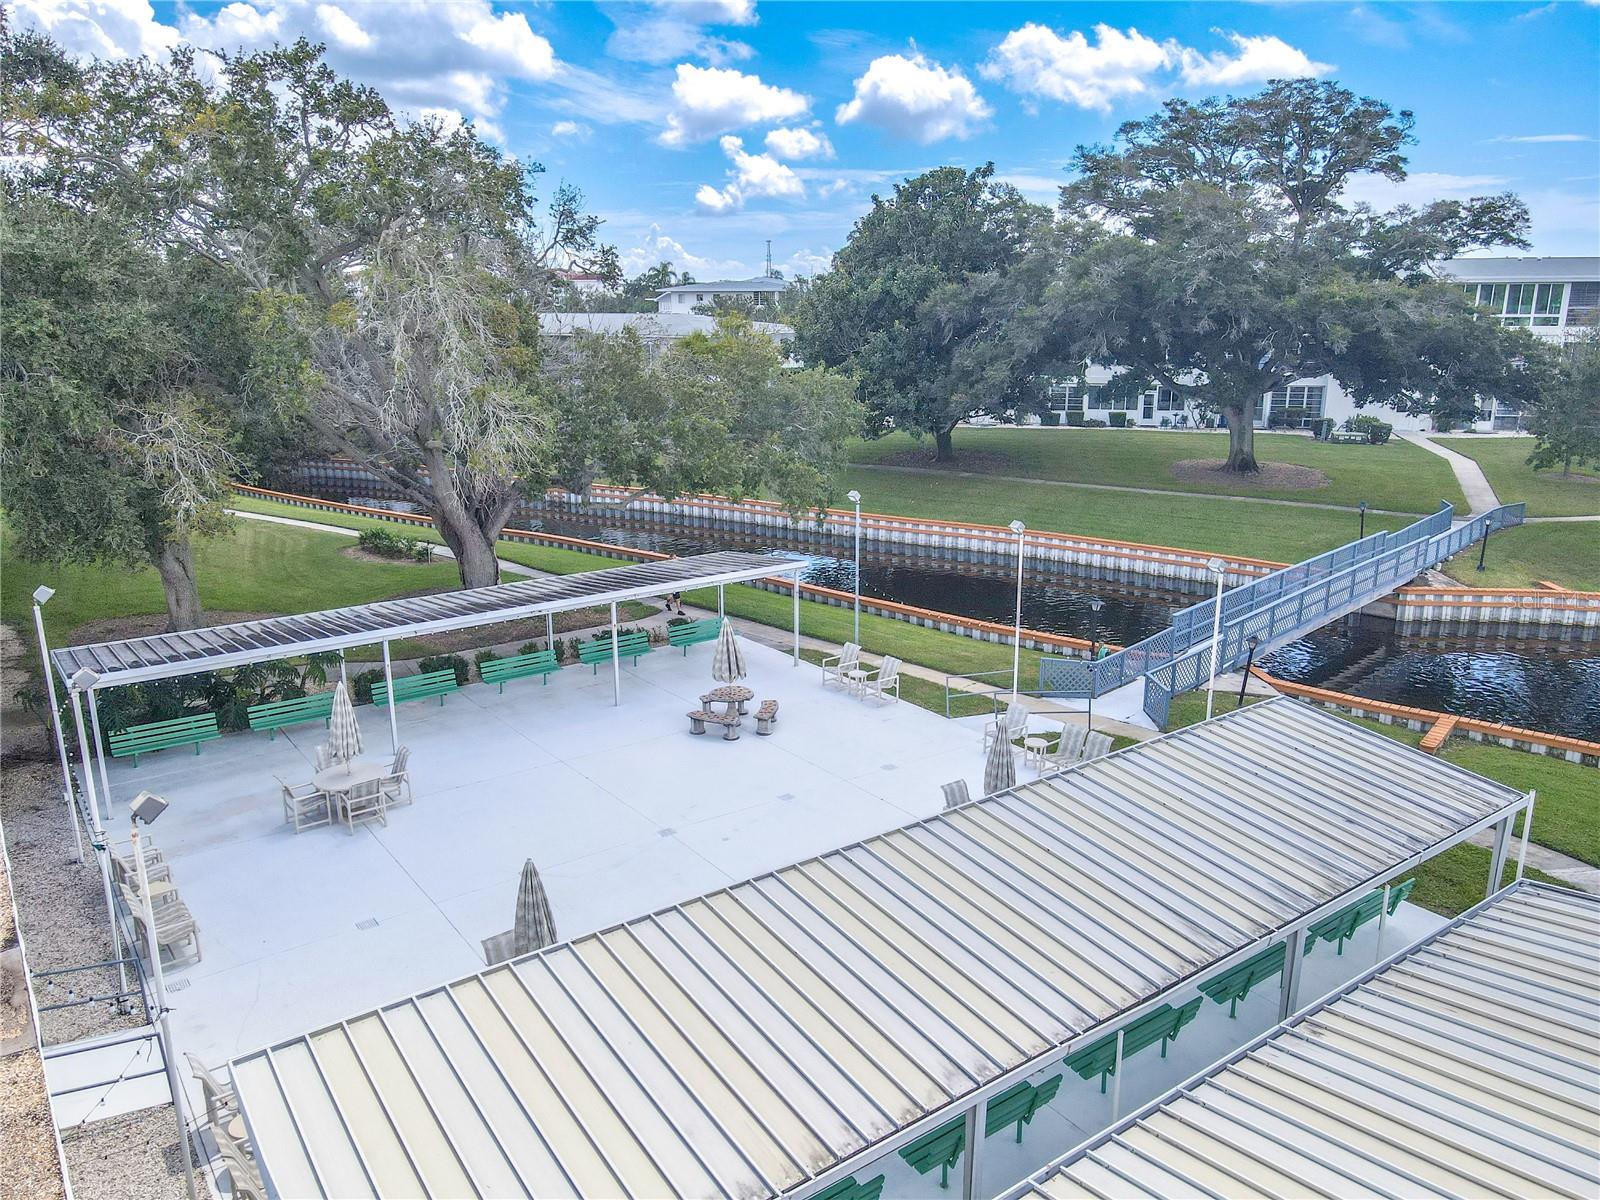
(339, 779)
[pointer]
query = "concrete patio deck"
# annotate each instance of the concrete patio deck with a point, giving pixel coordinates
(621, 809)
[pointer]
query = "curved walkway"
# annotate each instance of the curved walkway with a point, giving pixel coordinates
(1474, 483)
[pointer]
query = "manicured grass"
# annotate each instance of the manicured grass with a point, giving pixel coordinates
(1563, 552)
(1396, 476)
(259, 568)
(1547, 493)
(1566, 812)
(1274, 532)
(1452, 882)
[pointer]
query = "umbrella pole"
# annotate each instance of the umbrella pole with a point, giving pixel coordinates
(394, 721)
(796, 592)
(721, 608)
(616, 661)
(343, 677)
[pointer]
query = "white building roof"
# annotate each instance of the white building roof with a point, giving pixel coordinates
(762, 284)
(1520, 270)
(751, 1041)
(1468, 1067)
(652, 327)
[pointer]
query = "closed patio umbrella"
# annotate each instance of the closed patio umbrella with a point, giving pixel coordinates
(344, 733)
(1000, 768)
(727, 664)
(535, 926)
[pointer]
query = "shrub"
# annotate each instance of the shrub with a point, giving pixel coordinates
(1050, 417)
(361, 685)
(1323, 428)
(440, 662)
(1093, 423)
(680, 620)
(1378, 432)
(481, 657)
(1119, 420)
(533, 648)
(387, 544)
(1075, 418)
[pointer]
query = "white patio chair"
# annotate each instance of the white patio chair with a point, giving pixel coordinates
(396, 784)
(835, 666)
(884, 680)
(1095, 745)
(324, 758)
(125, 870)
(244, 1180)
(305, 805)
(221, 1103)
(1011, 726)
(1069, 747)
(365, 802)
(174, 926)
(955, 793)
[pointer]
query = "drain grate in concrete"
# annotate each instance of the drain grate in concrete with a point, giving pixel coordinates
(891, 767)
(175, 985)
(785, 795)
(368, 923)
(667, 832)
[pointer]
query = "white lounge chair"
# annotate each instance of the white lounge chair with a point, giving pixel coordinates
(955, 793)
(836, 667)
(174, 926)
(1069, 746)
(125, 870)
(365, 802)
(396, 785)
(221, 1103)
(884, 680)
(1095, 745)
(305, 805)
(244, 1180)
(1011, 726)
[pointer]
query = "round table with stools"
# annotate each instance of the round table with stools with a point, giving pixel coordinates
(732, 696)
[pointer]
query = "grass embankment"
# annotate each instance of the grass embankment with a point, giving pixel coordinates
(1566, 815)
(1566, 553)
(1396, 475)
(1547, 493)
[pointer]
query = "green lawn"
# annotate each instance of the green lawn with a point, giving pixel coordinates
(1505, 462)
(1564, 552)
(1396, 476)
(1274, 532)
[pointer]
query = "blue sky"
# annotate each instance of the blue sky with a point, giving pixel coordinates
(700, 128)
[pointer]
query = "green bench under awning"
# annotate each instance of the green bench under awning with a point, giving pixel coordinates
(1234, 984)
(279, 714)
(1158, 1025)
(693, 633)
(417, 687)
(849, 1189)
(629, 645)
(1017, 1105)
(163, 735)
(519, 666)
(1342, 925)
(941, 1149)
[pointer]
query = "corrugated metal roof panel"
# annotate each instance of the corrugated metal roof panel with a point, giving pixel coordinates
(745, 1042)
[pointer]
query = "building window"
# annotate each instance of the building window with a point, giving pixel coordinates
(1300, 402)
(1522, 303)
(1583, 297)
(699, 297)
(1167, 400)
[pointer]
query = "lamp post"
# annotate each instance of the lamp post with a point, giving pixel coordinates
(1250, 661)
(1018, 528)
(1483, 546)
(855, 573)
(41, 596)
(147, 807)
(1220, 569)
(1363, 508)
(1095, 605)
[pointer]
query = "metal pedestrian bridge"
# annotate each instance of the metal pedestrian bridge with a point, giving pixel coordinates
(1273, 611)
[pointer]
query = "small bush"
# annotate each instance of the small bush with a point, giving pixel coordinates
(531, 648)
(1119, 420)
(680, 620)
(1378, 432)
(361, 685)
(387, 544)
(481, 657)
(1075, 419)
(440, 662)
(1093, 423)
(1323, 428)
(1050, 418)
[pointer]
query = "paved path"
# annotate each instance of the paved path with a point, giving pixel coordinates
(1474, 483)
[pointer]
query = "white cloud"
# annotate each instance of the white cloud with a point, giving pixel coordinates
(452, 118)
(1257, 59)
(750, 175)
(1539, 139)
(1036, 187)
(710, 100)
(806, 262)
(1420, 187)
(1035, 60)
(654, 247)
(799, 143)
(569, 129)
(658, 31)
(344, 29)
(99, 28)
(915, 98)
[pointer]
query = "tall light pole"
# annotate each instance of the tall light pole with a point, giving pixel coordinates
(855, 574)
(1363, 508)
(1250, 661)
(147, 807)
(1018, 528)
(1095, 605)
(41, 596)
(1220, 569)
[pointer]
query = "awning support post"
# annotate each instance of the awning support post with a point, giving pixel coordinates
(549, 631)
(1383, 919)
(616, 660)
(61, 736)
(722, 608)
(1294, 951)
(1527, 826)
(971, 1159)
(1497, 857)
(388, 682)
(99, 754)
(97, 837)
(1116, 1078)
(796, 594)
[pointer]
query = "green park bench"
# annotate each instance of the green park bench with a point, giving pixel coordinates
(519, 666)
(693, 633)
(163, 735)
(1342, 925)
(941, 1149)
(1234, 984)
(849, 1189)
(629, 645)
(1017, 1105)
(1349, 437)
(279, 714)
(1158, 1025)
(417, 687)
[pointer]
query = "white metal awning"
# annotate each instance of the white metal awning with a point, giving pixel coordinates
(1470, 1066)
(750, 1041)
(164, 655)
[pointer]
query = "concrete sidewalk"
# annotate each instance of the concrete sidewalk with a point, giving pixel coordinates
(1474, 483)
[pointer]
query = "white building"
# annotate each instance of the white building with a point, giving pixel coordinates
(656, 330)
(1551, 297)
(584, 283)
(686, 297)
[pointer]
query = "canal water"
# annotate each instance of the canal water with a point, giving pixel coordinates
(1552, 685)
